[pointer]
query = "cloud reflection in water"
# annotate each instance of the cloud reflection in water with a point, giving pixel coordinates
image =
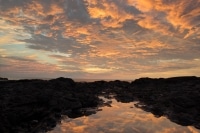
(121, 118)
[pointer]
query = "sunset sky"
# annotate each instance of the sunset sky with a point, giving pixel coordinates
(99, 39)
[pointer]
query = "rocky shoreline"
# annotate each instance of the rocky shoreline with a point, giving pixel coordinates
(38, 105)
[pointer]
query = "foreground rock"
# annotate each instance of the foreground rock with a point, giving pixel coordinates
(176, 98)
(38, 105)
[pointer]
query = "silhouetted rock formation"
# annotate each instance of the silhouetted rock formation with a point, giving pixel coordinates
(37, 105)
(2, 79)
(176, 98)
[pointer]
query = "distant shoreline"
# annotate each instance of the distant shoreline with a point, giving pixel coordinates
(91, 80)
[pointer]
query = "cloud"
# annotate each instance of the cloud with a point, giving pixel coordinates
(112, 13)
(10, 34)
(157, 23)
(96, 69)
(23, 67)
(100, 36)
(76, 9)
(173, 18)
(28, 67)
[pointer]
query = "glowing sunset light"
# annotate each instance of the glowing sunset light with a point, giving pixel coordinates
(115, 39)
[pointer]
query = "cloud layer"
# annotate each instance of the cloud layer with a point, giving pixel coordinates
(101, 38)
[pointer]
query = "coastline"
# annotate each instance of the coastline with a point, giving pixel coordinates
(34, 105)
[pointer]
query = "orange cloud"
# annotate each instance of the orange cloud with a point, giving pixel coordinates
(143, 5)
(181, 14)
(110, 14)
(55, 9)
(193, 130)
(34, 9)
(150, 22)
(105, 36)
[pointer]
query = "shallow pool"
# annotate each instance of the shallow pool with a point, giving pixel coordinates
(121, 118)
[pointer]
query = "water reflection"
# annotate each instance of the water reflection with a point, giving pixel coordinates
(120, 118)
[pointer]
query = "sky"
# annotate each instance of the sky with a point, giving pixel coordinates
(99, 39)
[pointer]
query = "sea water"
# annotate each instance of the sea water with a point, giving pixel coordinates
(120, 118)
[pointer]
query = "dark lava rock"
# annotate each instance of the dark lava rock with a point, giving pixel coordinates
(176, 98)
(3, 79)
(37, 105)
(67, 82)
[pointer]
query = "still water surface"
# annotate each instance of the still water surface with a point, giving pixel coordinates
(121, 118)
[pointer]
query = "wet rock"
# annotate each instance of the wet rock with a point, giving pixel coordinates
(38, 105)
(176, 98)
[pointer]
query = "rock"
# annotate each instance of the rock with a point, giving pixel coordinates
(3, 79)
(67, 82)
(37, 105)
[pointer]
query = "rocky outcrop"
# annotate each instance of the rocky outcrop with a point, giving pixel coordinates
(3, 79)
(38, 105)
(176, 98)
